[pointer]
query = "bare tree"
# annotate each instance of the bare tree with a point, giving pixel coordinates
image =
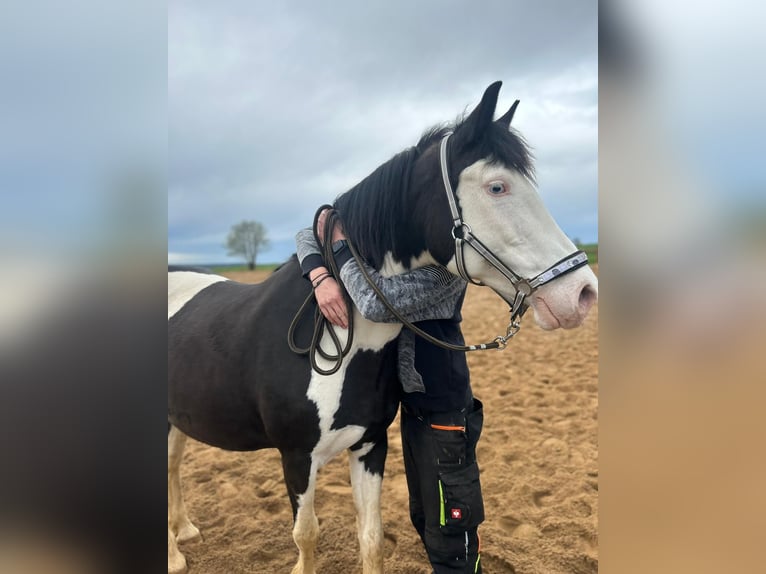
(247, 238)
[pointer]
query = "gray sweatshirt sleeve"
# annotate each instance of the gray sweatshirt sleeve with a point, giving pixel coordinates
(425, 293)
(309, 255)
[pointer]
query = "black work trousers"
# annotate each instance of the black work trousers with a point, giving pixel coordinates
(446, 505)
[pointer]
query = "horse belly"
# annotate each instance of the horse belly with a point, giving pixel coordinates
(211, 412)
(207, 396)
(232, 380)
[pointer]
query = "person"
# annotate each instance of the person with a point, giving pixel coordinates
(441, 420)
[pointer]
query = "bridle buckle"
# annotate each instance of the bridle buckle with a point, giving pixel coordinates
(461, 230)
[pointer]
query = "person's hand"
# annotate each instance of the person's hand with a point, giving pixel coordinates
(337, 232)
(330, 298)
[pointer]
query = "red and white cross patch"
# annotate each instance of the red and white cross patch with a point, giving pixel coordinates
(456, 513)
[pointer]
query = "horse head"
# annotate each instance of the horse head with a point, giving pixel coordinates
(489, 167)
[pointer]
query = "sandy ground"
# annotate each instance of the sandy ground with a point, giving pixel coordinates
(538, 456)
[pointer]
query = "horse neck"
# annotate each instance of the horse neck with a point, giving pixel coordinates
(379, 217)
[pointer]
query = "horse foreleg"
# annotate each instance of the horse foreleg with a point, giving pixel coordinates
(178, 520)
(300, 477)
(366, 466)
(176, 560)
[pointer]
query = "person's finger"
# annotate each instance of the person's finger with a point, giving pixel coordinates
(342, 315)
(328, 310)
(321, 224)
(336, 316)
(339, 314)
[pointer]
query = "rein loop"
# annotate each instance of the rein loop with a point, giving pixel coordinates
(321, 324)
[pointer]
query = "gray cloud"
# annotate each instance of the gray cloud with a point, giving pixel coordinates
(275, 109)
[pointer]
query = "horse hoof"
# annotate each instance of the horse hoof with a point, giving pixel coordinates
(188, 533)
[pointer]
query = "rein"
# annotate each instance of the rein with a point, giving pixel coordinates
(499, 342)
(321, 324)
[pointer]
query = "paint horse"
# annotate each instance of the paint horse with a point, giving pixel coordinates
(234, 383)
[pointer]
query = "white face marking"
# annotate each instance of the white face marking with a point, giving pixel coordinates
(325, 391)
(519, 230)
(184, 285)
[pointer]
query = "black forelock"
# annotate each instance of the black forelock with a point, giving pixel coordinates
(498, 144)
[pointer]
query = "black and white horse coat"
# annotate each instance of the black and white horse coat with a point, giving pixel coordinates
(234, 383)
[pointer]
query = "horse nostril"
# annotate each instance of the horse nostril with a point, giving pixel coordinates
(588, 297)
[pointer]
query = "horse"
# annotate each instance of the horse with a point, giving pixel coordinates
(234, 383)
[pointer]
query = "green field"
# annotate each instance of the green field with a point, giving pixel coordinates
(592, 250)
(243, 267)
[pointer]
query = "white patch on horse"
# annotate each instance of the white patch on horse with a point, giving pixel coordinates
(370, 336)
(184, 285)
(364, 449)
(325, 390)
(391, 267)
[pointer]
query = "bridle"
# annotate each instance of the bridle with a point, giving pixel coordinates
(462, 234)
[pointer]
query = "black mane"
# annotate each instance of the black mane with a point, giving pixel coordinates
(373, 211)
(386, 211)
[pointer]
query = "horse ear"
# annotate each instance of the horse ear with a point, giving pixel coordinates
(481, 118)
(505, 120)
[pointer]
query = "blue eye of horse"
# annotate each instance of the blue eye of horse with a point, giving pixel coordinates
(496, 188)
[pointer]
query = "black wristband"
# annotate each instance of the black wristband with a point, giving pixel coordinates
(321, 278)
(339, 246)
(342, 257)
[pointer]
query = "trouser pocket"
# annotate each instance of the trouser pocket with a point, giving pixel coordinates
(450, 439)
(461, 505)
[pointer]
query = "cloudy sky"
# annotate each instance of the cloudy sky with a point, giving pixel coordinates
(276, 108)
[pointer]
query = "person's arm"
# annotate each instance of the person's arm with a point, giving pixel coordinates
(429, 292)
(421, 294)
(327, 291)
(309, 255)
